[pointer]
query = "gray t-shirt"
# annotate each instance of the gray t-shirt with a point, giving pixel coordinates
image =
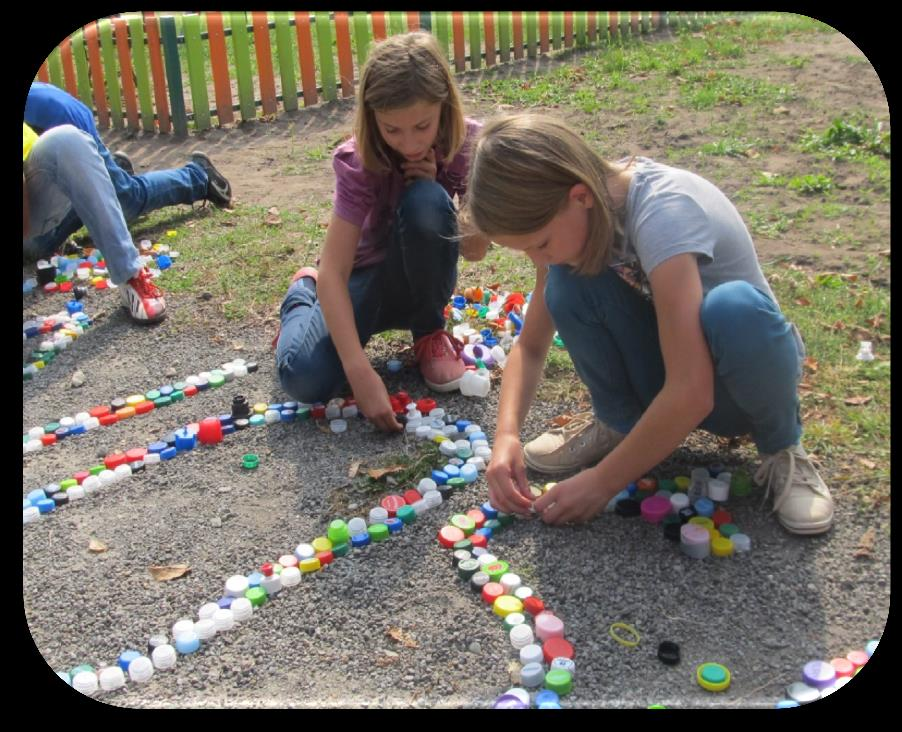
(670, 211)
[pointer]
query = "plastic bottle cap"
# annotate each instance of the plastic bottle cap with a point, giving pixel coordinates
(140, 669)
(532, 675)
(449, 535)
(713, 676)
(669, 653)
(818, 674)
(548, 626)
(555, 647)
(242, 608)
(512, 619)
(741, 542)
(110, 678)
(311, 564)
(223, 619)
(505, 605)
(378, 532)
(163, 657)
(531, 653)
(655, 508)
(533, 605)
(802, 692)
(521, 636)
(722, 547)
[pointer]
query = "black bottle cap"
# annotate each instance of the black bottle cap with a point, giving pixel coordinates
(60, 499)
(170, 439)
(672, 526)
(669, 653)
(445, 491)
(117, 403)
(138, 466)
(252, 367)
(46, 274)
(79, 292)
(627, 507)
(478, 581)
(241, 424)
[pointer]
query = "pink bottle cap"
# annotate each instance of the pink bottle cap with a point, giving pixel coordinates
(655, 508)
(548, 626)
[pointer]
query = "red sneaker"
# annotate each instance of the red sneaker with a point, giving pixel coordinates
(143, 298)
(440, 363)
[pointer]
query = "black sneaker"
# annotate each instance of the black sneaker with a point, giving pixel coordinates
(219, 190)
(123, 161)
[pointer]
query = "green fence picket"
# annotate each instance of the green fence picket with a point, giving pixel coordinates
(557, 28)
(580, 27)
(285, 52)
(142, 73)
(396, 24)
(475, 40)
(110, 70)
(55, 67)
(504, 35)
(441, 30)
(173, 74)
(241, 48)
(324, 42)
(361, 36)
(194, 54)
(82, 78)
(531, 23)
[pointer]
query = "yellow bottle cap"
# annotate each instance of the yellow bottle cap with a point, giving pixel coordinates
(260, 408)
(134, 399)
(322, 544)
(682, 483)
(721, 547)
(702, 521)
(507, 604)
(309, 565)
(713, 676)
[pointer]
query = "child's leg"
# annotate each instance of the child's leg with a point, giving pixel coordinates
(309, 367)
(421, 265)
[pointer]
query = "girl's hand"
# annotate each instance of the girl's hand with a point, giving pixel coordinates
(425, 168)
(372, 399)
(573, 501)
(506, 475)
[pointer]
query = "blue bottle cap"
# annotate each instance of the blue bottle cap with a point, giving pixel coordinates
(202, 384)
(275, 407)
(394, 525)
(187, 642)
(489, 511)
(225, 603)
(166, 390)
(485, 531)
(394, 366)
(490, 341)
(46, 505)
(227, 429)
(359, 540)
(157, 446)
(452, 471)
(287, 415)
(486, 332)
(77, 429)
(786, 704)
(26, 504)
(126, 657)
(473, 436)
(439, 477)
(547, 695)
(164, 261)
(168, 453)
(871, 647)
(291, 405)
(632, 489)
(61, 433)
(462, 424)
(254, 579)
(225, 419)
(36, 495)
(704, 507)
(185, 439)
(74, 306)
(459, 301)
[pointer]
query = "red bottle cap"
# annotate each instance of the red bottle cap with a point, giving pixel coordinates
(647, 484)
(721, 517)
(392, 503)
(144, 407)
(426, 405)
(858, 658)
(556, 648)
(448, 536)
(100, 412)
(412, 496)
(478, 540)
(318, 412)
(51, 287)
(210, 431)
(533, 605)
(81, 475)
(66, 286)
(107, 419)
(102, 285)
(843, 666)
(349, 402)
(266, 569)
(325, 557)
(403, 397)
(48, 439)
(114, 460)
(189, 390)
(477, 516)
(135, 454)
(491, 591)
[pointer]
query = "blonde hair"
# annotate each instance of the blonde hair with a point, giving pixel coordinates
(400, 71)
(521, 171)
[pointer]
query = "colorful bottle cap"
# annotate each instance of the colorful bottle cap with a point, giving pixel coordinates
(449, 535)
(392, 503)
(505, 605)
(559, 681)
(466, 568)
(496, 570)
(406, 514)
(533, 605)
(479, 580)
(188, 642)
(857, 658)
(704, 507)
(713, 676)
(818, 674)
(557, 647)
(378, 532)
(704, 521)
(340, 550)
(628, 507)
(786, 704)
(721, 547)
(871, 647)
(509, 701)
(843, 667)
(491, 591)
(802, 693)
(512, 619)
(489, 511)
(655, 508)
(728, 530)
(464, 523)
(548, 626)
(126, 657)
(360, 540)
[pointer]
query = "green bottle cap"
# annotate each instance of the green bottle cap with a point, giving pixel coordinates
(340, 550)
(378, 532)
(464, 523)
(740, 484)
(163, 401)
(467, 568)
(250, 461)
(463, 544)
(257, 596)
(78, 669)
(338, 532)
(667, 484)
(493, 524)
(512, 619)
(153, 395)
(559, 681)
(303, 414)
(179, 386)
(177, 396)
(506, 519)
(256, 420)
(406, 514)
(68, 483)
(657, 706)
(496, 569)
(216, 379)
(728, 530)
(51, 428)
(456, 483)
(97, 469)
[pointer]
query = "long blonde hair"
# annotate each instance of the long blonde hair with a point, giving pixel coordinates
(521, 171)
(400, 71)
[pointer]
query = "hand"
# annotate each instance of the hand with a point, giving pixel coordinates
(372, 399)
(508, 489)
(573, 501)
(425, 168)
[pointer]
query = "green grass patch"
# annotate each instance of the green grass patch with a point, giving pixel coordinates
(712, 88)
(810, 184)
(849, 140)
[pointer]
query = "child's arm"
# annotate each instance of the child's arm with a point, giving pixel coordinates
(686, 398)
(508, 489)
(336, 264)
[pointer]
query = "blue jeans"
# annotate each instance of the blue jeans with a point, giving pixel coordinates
(409, 289)
(611, 333)
(137, 194)
(66, 178)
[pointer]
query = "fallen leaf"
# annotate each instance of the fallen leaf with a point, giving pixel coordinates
(838, 325)
(869, 464)
(811, 363)
(561, 420)
(96, 546)
(858, 401)
(781, 110)
(803, 301)
(167, 572)
(399, 636)
(859, 303)
(323, 428)
(237, 346)
(355, 467)
(866, 544)
(876, 321)
(383, 661)
(377, 473)
(885, 252)
(272, 217)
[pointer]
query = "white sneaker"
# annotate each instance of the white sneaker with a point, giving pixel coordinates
(143, 298)
(580, 442)
(802, 500)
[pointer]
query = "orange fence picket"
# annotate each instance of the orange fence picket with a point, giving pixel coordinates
(457, 30)
(305, 57)
(120, 28)
(413, 20)
(488, 20)
(543, 31)
(345, 60)
(152, 30)
(518, 33)
(219, 65)
(379, 26)
(264, 62)
(568, 29)
(68, 67)
(97, 85)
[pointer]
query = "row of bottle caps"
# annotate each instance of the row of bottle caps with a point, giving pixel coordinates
(65, 328)
(822, 678)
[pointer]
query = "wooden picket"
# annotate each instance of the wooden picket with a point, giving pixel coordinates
(457, 29)
(194, 55)
(100, 104)
(152, 31)
(345, 61)
(219, 66)
(488, 21)
(142, 77)
(305, 57)
(263, 54)
(285, 51)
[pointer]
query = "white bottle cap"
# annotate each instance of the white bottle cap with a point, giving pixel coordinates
(521, 593)
(206, 611)
(424, 431)
(240, 370)
(140, 669)
(469, 473)
(741, 542)
(478, 462)
(271, 416)
(486, 558)
(447, 448)
(478, 551)
(183, 625)
(333, 411)
(378, 515)
(349, 411)
(163, 656)
(521, 636)
(291, 576)
(193, 380)
(123, 471)
(36, 432)
(567, 664)
(510, 582)
(205, 375)
(512, 619)
(419, 507)
(205, 629)
(111, 678)
(678, 501)
(67, 422)
(30, 514)
(107, 477)
(32, 446)
(412, 426)
(355, 526)
(223, 619)
(461, 444)
(236, 585)
(242, 609)
(92, 423)
(726, 478)
(85, 682)
(437, 413)
(532, 675)
(152, 458)
(338, 426)
(718, 490)
(531, 653)
(76, 492)
(450, 431)
(90, 484)
(432, 499)
(484, 452)
(426, 485)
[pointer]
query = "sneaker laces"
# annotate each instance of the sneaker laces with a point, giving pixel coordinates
(143, 283)
(435, 345)
(769, 474)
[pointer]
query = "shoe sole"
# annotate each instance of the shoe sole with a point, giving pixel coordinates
(808, 529)
(223, 191)
(556, 470)
(443, 388)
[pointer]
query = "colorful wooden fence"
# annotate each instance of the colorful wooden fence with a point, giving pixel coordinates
(161, 72)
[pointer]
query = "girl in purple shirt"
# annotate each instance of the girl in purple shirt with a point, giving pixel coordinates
(390, 256)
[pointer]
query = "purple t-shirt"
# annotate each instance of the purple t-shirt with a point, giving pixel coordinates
(369, 200)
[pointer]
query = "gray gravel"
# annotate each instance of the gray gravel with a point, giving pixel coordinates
(324, 643)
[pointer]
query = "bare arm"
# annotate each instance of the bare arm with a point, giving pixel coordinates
(686, 398)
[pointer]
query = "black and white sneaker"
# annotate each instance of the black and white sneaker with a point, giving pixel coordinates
(124, 162)
(219, 190)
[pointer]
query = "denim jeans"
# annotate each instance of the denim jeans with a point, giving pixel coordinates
(67, 180)
(611, 333)
(137, 194)
(409, 289)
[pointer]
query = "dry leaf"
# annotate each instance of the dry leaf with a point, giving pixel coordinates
(866, 544)
(803, 301)
(355, 467)
(859, 303)
(323, 428)
(237, 346)
(96, 546)
(168, 572)
(869, 464)
(377, 473)
(561, 420)
(876, 321)
(781, 110)
(384, 661)
(272, 217)
(399, 636)
(811, 363)
(858, 401)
